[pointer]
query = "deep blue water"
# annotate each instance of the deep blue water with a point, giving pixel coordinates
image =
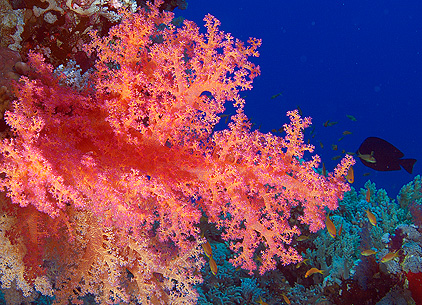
(332, 59)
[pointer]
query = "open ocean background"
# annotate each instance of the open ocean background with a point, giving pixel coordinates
(332, 59)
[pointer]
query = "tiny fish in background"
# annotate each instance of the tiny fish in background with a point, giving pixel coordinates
(276, 95)
(351, 117)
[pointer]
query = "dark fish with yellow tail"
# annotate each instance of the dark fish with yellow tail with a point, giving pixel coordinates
(380, 155)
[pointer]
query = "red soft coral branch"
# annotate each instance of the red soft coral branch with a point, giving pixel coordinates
(138, 149)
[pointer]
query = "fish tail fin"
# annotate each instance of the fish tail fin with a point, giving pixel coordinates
(407, 164)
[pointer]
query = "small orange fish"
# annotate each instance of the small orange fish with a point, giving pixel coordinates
(366, 174)
(326, 123)
(305, 261)
(261, 301)
(213, 266)
(285, 298)
(320, 144)
(371, 217)
(336, 157)
(207, 249)
(331, 228)
(350, 175)
(368, 195)
(341, 229)
(302, 237)
(368, 252)
(313, 271)
(276, 95)
(346, 132)
(334, 146)
(331, 123)
(389, 256)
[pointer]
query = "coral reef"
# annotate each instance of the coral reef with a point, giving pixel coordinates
(107, 175)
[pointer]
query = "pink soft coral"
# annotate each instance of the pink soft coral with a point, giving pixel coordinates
(137, 150)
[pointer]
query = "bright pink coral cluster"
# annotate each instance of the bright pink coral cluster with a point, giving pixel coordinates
(137, 151)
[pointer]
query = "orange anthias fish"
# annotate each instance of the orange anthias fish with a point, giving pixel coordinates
(331, 228)
(371, 217)
(350, 175)
(341, 229)
(207, 249)
(351, 117)
(313, 271)
(285, 298)
(324, 170)
(213, 266)
(368, 195)
(261, 301)
(389, 256)
(346, 132)
(305, 261)
(302, 237)
(368, 252)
